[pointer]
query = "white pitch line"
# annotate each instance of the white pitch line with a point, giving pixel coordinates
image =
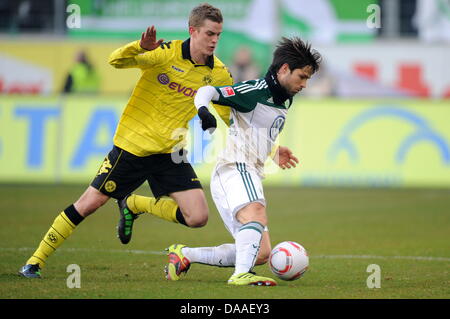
(152, 252)
(382, 257)
(131, 251)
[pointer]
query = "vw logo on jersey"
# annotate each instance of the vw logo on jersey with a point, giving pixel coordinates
(277, 127)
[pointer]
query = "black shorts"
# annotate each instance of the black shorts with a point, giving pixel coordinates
(122, 172)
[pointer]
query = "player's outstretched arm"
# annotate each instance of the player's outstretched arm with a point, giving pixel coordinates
(132, 54)
(285, 158)
(204, 96)
(148, 39)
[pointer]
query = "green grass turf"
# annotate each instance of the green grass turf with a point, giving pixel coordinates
(344, 231)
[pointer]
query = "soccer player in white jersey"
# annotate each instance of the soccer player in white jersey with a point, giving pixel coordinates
(258, 112)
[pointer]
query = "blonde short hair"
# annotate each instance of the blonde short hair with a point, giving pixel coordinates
(202, 12)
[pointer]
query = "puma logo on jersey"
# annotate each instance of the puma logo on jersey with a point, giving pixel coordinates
(177, 69)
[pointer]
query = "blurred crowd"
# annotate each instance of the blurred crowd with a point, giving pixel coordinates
(422, 21)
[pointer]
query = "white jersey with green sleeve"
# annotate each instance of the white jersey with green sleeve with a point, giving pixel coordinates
(255, 122)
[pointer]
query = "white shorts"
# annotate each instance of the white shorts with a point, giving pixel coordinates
(234, 186)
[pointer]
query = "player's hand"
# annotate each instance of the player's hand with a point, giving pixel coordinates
(148, 39)
(208, 120)
(284, 158)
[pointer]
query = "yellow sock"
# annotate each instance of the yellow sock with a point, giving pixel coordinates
(60, 230)
(165, 208)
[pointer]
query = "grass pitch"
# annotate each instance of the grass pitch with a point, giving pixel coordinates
(405, 232)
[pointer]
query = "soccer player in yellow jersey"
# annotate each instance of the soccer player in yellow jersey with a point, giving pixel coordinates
(147, 140)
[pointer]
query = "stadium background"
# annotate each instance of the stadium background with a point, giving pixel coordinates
(376, 117)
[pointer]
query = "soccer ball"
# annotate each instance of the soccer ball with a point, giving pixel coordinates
(288, 260)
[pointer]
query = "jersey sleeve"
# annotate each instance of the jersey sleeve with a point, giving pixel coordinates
(237, 96)
(132, 55)
(223, 111)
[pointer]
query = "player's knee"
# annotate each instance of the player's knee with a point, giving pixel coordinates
(196, 220)
(87, 208)
(254, 212)
(89, 202)
(259, 214)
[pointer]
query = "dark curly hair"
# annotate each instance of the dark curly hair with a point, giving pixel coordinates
(296, 53)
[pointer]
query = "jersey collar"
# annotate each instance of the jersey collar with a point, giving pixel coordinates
(186, 52)
(278, 92)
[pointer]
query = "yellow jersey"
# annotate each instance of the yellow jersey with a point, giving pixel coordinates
(156, 117)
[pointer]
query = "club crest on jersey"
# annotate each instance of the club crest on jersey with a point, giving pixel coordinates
(110, 186)
(277, 127)
(52, 237)
(227, 91)
(207, 80)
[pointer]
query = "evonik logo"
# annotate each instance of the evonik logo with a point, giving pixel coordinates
(165, 80)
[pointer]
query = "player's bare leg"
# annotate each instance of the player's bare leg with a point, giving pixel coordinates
(248, 243)
(188, 207)
(193, 206)
(264, 249)
(181, 256)
(257, 212)
(194, 209)
(62, 227)
(91, 200)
